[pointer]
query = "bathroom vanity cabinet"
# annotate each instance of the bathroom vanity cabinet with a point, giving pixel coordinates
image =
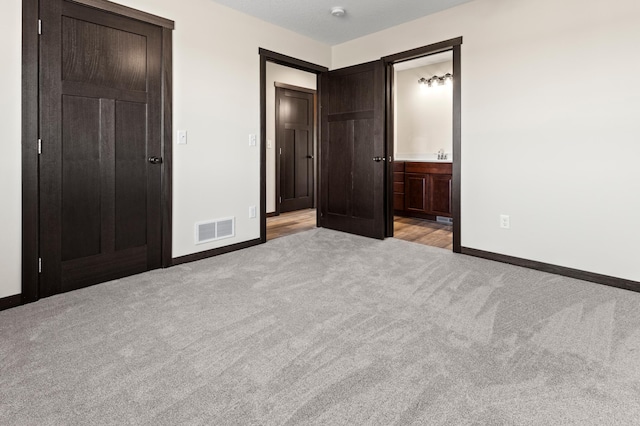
(422, 189)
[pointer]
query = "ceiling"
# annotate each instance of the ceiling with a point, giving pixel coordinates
(313, 18)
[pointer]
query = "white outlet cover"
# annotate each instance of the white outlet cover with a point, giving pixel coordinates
(182, 137)
(269, 144)
(252, 139)
(252, 212)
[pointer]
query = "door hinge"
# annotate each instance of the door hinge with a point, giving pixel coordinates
(39, 146)
(39, 265)
(39, 26)
(280, 151)
(280, 200)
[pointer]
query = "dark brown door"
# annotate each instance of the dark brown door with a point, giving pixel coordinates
(100, 194)
(294, 141)
(353, 162)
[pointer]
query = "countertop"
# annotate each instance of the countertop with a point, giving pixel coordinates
(423, 160)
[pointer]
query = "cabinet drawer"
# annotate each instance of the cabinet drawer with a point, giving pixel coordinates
(398, 166)
(398, 187)
(428, 168)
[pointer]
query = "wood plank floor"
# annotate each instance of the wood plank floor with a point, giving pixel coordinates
(290, 223)
(423, 231)
(405, 228)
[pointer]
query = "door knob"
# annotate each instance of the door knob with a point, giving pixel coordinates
(155, 160)
(310, 157)
(378, 159)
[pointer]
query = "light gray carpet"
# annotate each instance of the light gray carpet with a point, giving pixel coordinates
(325, 328)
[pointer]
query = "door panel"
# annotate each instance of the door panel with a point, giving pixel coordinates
(352, 135)
(80, 176)
(295, 140)
(92, 55)
(363, 172)
(131, 175)
(302, 149)
(339, 156)
(100, 210)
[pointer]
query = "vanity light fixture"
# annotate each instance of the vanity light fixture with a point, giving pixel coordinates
(338, 11)
(436, 80)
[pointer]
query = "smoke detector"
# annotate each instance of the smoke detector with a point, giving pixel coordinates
(337, 11)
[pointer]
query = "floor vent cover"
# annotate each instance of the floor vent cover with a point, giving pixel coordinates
(213, 230)
(445, 220)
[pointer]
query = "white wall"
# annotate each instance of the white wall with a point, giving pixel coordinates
(216, 99)
(280, 74)
(550, 128)
(10, 158)
(424, 115)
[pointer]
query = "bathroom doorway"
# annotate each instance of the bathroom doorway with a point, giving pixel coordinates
(422, 105)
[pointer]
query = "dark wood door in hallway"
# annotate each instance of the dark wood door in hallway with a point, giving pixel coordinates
(295, 144)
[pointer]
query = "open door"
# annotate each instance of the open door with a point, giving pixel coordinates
(353, 154)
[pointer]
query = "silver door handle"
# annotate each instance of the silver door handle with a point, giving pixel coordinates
(379, 159)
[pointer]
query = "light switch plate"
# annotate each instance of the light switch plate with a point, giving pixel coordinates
(252, 139)
(269, 144)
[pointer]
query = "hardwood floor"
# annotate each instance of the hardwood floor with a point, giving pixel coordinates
(405, 228)
(423, 231)
(290, 223)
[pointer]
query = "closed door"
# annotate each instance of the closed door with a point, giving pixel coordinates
(353, 162)
(294, 140)
(100, 167)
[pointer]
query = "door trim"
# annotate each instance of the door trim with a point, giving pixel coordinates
(30, 132)
(287, 61)
(447, 45)
(278, 145)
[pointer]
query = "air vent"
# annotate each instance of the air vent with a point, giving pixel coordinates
(213, 230)
(446, 220)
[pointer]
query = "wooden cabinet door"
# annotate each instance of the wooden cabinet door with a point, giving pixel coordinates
(440, 195)
(415, 192)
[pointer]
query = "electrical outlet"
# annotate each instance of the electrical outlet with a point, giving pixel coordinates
(253, 139)
(252, 212)
(269, 144)
(182, 137)
(505, 221)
